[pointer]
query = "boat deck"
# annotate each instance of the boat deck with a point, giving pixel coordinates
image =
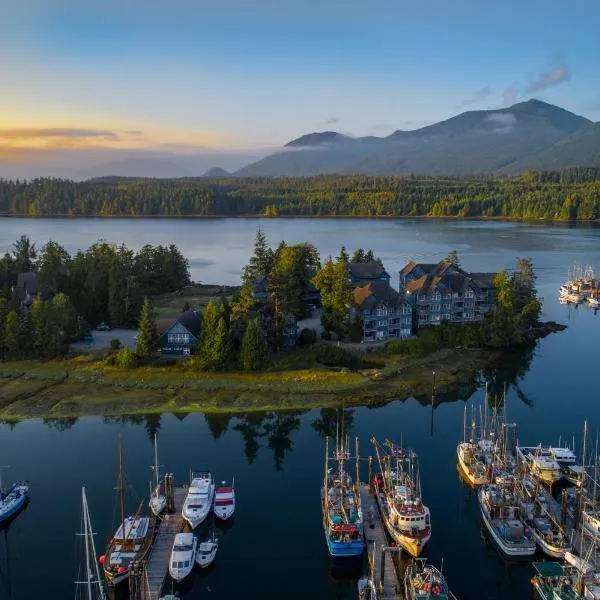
(375, 536)
(158, 562)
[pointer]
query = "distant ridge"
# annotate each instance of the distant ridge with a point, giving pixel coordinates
(471, 143)
(217, 172)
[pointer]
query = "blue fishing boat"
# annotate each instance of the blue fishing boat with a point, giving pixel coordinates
(13, 499)
(342, 514)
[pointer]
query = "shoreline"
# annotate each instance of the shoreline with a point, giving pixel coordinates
(77, 388)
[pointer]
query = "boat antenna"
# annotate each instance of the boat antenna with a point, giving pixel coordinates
(121, 486)
(465, 424)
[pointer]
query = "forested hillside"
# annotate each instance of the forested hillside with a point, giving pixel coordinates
(572, 194)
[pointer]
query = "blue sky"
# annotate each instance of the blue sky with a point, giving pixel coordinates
(231, 74)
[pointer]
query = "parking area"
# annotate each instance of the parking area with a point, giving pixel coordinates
(101, 339)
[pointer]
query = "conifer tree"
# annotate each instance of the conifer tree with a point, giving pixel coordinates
(210, 320)
(11, 336)
(253, 352)
(41, 326)
(147, 337)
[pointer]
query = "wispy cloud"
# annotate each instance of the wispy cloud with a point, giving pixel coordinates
(479, 95)
(558, 74)
(332, 121)
(501, 122)
(510, 96)
(133, 132)
(37, 133)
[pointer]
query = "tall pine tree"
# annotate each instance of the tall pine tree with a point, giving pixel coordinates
(253, 351)
(147, 337)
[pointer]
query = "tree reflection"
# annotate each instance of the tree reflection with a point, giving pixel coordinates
(218, 423)
(329, 422)
(251, 428)
(278, 430)
(61, 424)
(152, 425)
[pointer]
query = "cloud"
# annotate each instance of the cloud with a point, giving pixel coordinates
(381, 127)
(557, 75)
(501, 122)
(133, 132)
(510, 96)
(332, 121)
(37, 133)
(479, 95)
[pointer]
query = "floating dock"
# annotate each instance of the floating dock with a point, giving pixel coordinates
(385, 569)
(158, 562)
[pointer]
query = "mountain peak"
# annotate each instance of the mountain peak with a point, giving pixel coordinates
(217, 172)
(317, 138)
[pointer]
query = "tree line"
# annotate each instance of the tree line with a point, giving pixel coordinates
(572, 194)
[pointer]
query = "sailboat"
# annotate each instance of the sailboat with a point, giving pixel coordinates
(398, 494)
(91, 582)
(158, 500)
(342, 513)
(12, 499)
(423, 581)
(199, 499)
(131, 542)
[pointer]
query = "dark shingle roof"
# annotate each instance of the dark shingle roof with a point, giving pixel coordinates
(27, 281)
(380, 291)
(191, 321)
(366, 270)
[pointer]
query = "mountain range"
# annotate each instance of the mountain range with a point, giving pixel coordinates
(527, 135)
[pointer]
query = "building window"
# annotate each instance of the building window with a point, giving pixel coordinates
(178, 338)
(381, 323)
(469, 294)
(435, 307)
(381, 312)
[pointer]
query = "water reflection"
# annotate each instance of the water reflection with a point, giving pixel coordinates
(218, 423)
(278, 430)
(332, 421)
(62, 424)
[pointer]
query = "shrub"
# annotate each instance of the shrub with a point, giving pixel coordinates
(115, 344)
(326, 335)
(126, 358)
(328, 354)
(408, 347)
(307, 337)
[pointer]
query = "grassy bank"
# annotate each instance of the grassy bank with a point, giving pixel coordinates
(87, 386)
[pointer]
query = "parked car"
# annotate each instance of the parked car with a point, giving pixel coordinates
(104, 327)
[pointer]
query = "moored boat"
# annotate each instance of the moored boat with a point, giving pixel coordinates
(554, 581)
(224, 504)
(183, 556)
(340, 500)
(502, 519)
(13, 499)
(199, 499)
(131, 542)
(398, 494)
(207, 551)
(540, 463)
(423, 581)
(549, 537)
(472, 456)
(158, 500)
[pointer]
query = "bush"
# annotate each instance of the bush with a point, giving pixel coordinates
(115, 344)
(126, 358)
(326, 335)
(328, 354)
(307, 337)
(408, 347)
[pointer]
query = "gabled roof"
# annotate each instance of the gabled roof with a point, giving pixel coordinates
(163, 324)
(376, 293)
(366, 270)
(191, 321)
(485, 280)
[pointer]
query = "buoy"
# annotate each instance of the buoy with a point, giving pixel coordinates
(102, 559)
(121, 570)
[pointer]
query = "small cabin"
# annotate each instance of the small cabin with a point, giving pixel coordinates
(179, 337)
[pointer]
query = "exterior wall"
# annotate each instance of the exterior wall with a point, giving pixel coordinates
(455, 307)
(178, 341)
(383, 323)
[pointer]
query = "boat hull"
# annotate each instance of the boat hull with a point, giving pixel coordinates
(548, 549)
(475, 479)
(339, 549)
(413, 545)
(157, 505)
(195, 520)
(224, 513)
(13, 509)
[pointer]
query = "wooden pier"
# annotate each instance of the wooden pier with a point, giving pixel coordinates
(158, 562)
(385, 569)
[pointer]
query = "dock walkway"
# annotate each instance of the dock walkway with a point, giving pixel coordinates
(375, 535)
(158, 562)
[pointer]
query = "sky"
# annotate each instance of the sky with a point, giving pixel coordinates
(239, 77)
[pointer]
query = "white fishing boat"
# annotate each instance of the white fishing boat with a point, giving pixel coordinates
(158, 500)
(540, 463)
(502, 519)
(13, 499)
(224, 505)
(563, 455)
(199, 499)
(398, 495)
(207, 551)
(548, 535)
(573, 474)
(472, 459)
(131, 542)
(89, 573)
(423, 581)
(183, 556)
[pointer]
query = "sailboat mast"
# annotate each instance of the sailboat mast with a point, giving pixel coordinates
(121, 487)
(357, 463)
(156, 461)
(485, 410)
(465, 424)
(86, 533)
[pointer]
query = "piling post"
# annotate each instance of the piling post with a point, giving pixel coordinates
(382, 567)
(370, 468)
(563, 508)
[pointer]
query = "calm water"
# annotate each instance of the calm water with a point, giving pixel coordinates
(275, 547)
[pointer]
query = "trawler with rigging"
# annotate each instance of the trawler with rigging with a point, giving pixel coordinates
(398, 494)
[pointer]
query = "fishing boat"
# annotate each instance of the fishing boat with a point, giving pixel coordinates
(574, 474)
(501, 516)
(207, 551)
(472, 456)
(224, 505)
(423, 581)
(199, 499)
(398, 494)
(13, 499)
(562, 455)
(342, 513)
(540, 463)
(158, 500)
(89, 573)
(548, 535)
(593, 301)
(132, 540)
(183, 554)
(554, 581)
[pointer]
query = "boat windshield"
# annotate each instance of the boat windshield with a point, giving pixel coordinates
(182, 548)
